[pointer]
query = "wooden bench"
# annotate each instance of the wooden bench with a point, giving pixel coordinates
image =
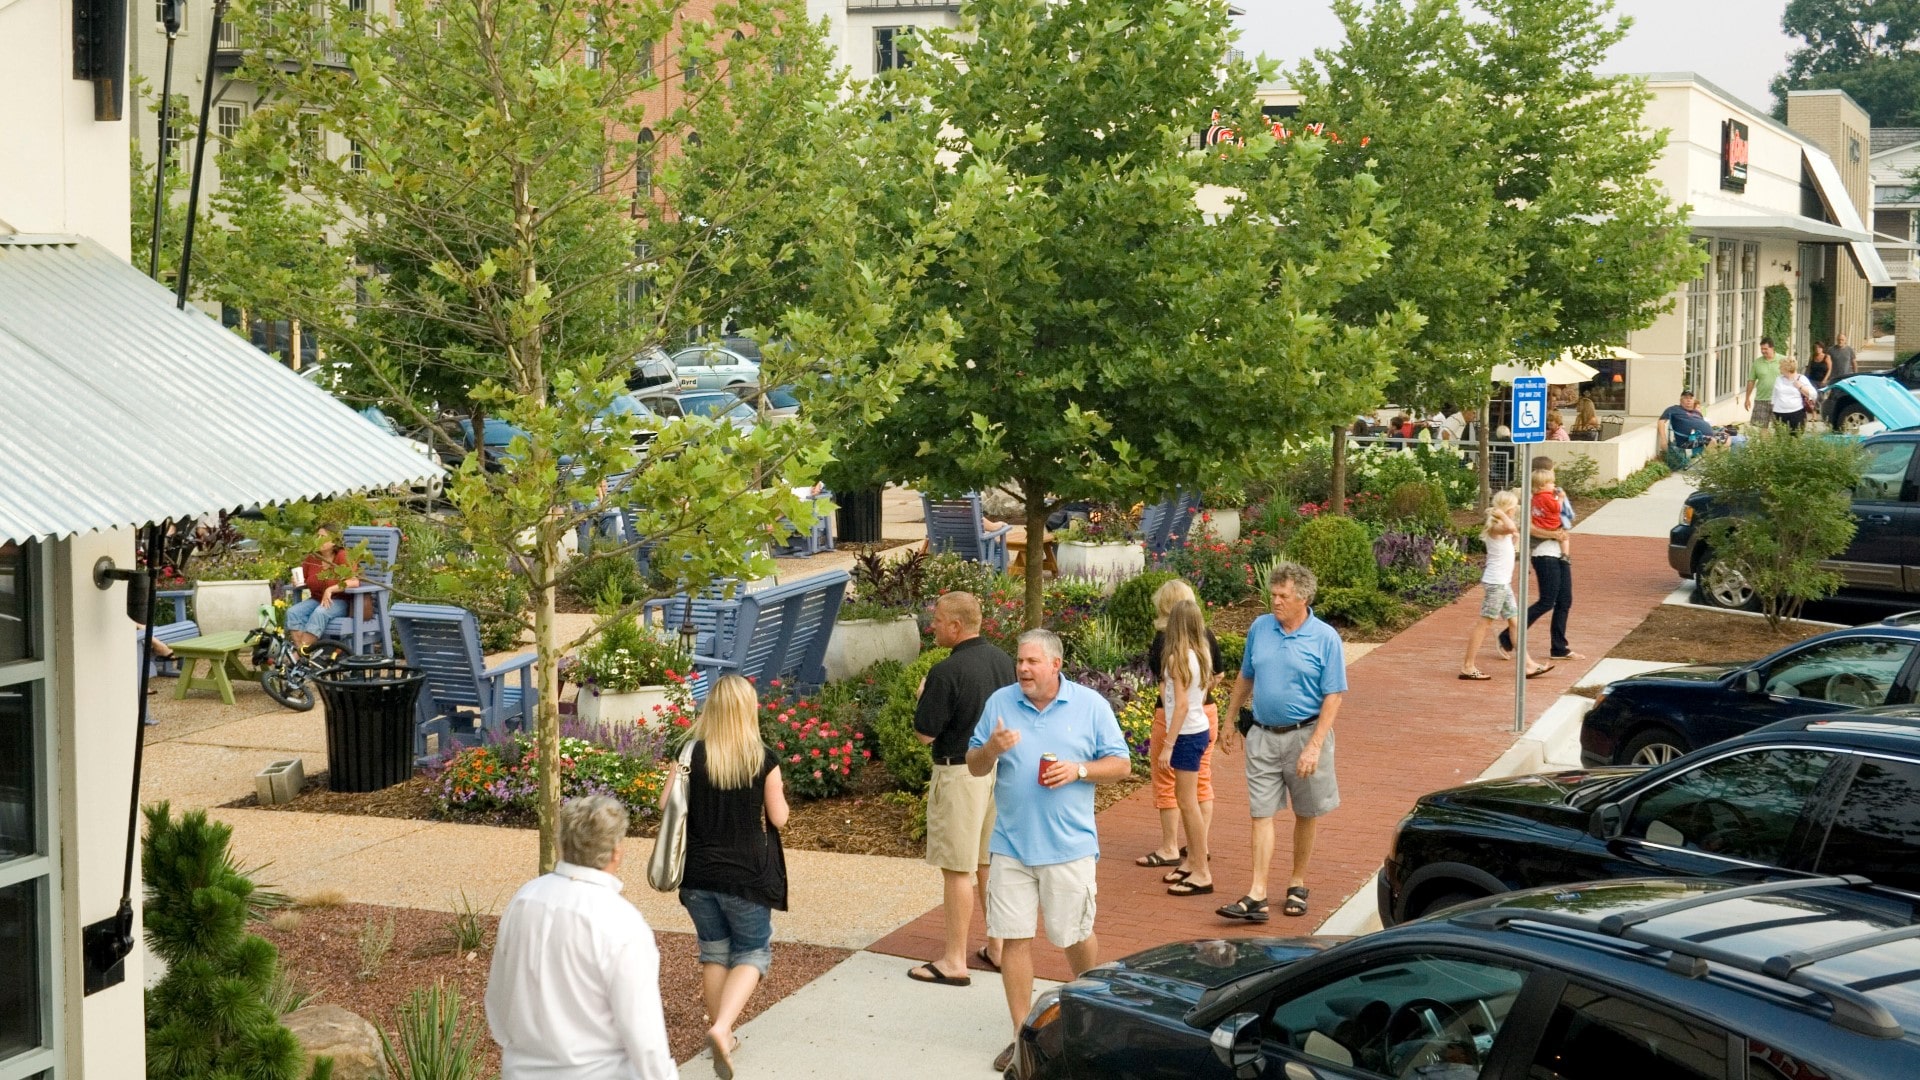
(221, 652)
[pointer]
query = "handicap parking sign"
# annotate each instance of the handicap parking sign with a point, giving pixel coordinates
(1529, 409)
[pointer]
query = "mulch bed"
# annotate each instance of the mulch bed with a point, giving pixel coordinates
(870, 820)
(1236, 620)
(320, 952)
(1690, 635)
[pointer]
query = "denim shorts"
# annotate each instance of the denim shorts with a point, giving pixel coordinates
(312, 616)
(1188, 750)
(732, 931)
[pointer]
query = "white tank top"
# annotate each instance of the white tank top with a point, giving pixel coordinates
(1193, 718)
(1500, 559)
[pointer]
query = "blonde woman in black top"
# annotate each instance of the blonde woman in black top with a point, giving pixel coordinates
(736, 873)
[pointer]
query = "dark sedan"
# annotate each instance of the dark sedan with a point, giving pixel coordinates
(1593, 982)
(1652, 718)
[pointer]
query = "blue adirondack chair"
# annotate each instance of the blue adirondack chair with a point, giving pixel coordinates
(780, 633)
(463, 698)
(1156, 525)
(958, 526)
(642, 550)
(378, 549)
(817, 539)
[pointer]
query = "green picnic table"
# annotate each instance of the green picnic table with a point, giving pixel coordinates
(222, 653)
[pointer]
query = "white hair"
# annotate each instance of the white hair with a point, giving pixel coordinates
(591, 828)
(1047, 640)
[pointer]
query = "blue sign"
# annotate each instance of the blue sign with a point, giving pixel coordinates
(1529, 409)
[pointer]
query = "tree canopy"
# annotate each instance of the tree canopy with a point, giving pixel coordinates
(1869, 48)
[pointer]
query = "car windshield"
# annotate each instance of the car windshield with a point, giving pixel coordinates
(716, 405)
(626, 405)
(781, 397)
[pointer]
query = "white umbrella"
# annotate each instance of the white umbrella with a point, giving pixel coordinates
(1563, 369)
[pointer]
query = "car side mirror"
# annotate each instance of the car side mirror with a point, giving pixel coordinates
(1236, 1044)
(1750, 682)
(1606, 822)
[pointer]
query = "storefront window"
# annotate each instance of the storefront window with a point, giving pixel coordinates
(1697, 310)
(1725, 348)
(1750, 317)
(16, 633)
(28, 883)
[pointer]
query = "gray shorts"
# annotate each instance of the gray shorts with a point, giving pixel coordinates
(1496, 601)
(1762, 414)
(1273, 782)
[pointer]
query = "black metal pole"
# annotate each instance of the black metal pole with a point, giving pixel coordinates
(199, 159)
(172, 14)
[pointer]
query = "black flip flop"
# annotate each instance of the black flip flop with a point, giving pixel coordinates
(927, 973)
(1177, 875)
(1188, 888)
(1155, 859)
(1246, 909)
(986, 959)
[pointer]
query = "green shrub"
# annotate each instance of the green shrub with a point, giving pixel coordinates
(950, 573)
(1636, 484)
(1131, 608)
(1232, 648)
(591, 577)
(1098, 644)
(1338, 550)
(1267, 526)
(1381, 471)
(1357, 607)
(1421, 504)
(1576, 474)
(1306, 473)
(439, 1040)
(907, 758)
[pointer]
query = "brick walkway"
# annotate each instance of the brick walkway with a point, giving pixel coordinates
(1408, 727)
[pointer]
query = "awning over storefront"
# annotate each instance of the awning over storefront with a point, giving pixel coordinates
(1722, 217)
(1833, 194)
(117, 409)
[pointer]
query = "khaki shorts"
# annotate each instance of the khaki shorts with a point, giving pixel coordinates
(1273, 778)
(1018, 894)
(959, 818)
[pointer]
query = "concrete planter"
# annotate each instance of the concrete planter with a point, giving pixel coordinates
(634, 707)
(229, 605)
(1222, 525)
(858, 644)
(1109, 564)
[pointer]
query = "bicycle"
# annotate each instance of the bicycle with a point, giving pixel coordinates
(286, 670)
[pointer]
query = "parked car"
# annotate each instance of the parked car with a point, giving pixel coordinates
(715, 367)
(1650, 980)
(1656, 717)
(775, 406)
(1883, 559)
(713, 404)
(1823, 794)
(1884, 397)
(653, 370)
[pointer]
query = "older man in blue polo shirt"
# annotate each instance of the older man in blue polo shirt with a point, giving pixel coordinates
(1295, 673)
(1044, 845)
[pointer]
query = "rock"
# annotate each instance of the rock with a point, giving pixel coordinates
(331, 1031)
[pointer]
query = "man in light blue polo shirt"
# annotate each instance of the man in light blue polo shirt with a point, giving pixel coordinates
(1294, 672)
(1044, 844)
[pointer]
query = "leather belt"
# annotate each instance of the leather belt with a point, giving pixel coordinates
(1308, 722)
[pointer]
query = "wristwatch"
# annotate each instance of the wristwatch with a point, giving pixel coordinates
(1083, 772)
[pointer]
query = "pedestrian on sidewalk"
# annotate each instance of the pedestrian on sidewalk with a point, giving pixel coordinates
(1842, 356)
(959, 804)
(1046, 741)
(736, 872)
(1295, 674)
(1184, 734)
(574, 989)
(1166, 800)
(1793, 397)
(1762, 373)
(1552, 572)
(1497, 606)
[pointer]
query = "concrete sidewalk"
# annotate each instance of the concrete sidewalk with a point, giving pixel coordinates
(1653, 513)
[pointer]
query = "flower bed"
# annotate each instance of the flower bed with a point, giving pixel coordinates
(818, 757)
(504, 774)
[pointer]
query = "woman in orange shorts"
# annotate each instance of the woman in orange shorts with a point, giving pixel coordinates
(1170, 852)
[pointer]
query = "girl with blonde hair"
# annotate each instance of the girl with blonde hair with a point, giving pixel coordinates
(736, 872)
(1497, 605)
(1186, 676)
(1166, 798)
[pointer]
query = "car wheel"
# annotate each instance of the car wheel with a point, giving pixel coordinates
(1722, 584)
(1849, 417)
(1445, 901)
(1654, 746)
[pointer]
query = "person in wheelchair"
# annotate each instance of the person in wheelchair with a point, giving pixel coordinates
(1684, 429)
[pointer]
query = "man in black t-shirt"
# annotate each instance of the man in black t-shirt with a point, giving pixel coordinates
(959, 804)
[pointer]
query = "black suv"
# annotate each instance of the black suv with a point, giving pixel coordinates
(1816, 795)
(1654, 979)
(1883, 559)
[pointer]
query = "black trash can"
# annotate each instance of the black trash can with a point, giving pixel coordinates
(370, 702)
(858, 518)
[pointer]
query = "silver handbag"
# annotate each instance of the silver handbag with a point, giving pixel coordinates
(668, 863)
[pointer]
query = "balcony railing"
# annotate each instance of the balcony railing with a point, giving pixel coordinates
(903, 5)
(234, 42)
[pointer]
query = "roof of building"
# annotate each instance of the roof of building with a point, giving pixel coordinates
(121, 410)
(1882, 139)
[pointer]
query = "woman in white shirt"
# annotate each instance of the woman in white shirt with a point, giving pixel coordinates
(1793, 396)
(1186, 674)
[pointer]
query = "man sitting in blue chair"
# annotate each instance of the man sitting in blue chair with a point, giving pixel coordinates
(1683, 430)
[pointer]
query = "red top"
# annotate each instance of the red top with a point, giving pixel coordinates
(1546, 509)
(320, 575)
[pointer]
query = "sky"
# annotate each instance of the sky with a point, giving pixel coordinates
(1735, 44)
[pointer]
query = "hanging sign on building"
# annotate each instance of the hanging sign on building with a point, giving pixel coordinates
(1733, 155)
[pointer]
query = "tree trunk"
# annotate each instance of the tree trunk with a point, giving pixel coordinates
(478, 418)
(293, 328)
(546, 673)
(1337, 485)
(1036, 497)
(1485, 439)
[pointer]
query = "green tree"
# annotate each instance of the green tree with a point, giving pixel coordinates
(1114, 341)
(1869, 48)
(1791, 507)
(173, 208)
(209, 1016)
(509, 271)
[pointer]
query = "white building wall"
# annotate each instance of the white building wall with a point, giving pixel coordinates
(61, 171)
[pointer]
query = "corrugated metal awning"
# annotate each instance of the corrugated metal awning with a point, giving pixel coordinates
(117, 409)
(1833, 194)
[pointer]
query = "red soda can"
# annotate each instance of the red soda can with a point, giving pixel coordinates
(1046, 762)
